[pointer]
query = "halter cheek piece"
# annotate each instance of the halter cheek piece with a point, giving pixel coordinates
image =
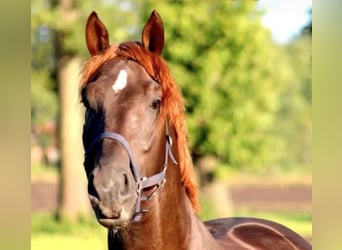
(157, 181)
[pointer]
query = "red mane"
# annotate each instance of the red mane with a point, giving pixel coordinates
(172, 102)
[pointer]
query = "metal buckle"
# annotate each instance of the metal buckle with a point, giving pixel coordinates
(156, 190)
(169, 140)
(139, 187)
(138, 215)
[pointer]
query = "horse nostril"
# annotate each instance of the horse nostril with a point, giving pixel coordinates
(125, 179)
(125, 186)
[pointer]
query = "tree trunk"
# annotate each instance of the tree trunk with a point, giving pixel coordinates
(73, 185)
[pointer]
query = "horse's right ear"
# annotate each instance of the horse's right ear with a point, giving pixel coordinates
(153, 34)
(96, 35)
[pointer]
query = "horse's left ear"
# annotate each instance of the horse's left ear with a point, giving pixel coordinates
(96, 35)
(153, 34)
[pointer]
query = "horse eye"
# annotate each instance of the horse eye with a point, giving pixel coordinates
(155, 104)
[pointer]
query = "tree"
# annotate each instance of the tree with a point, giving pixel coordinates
(59, 61)
(73, 191)
(294, 118)
(231, 75)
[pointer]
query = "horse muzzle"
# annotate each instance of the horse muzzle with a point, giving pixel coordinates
(112, 199)
(112, 216)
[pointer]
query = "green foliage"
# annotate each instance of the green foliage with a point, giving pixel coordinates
(232, 77)
(44, 104)
(118, 18)
(294, 118)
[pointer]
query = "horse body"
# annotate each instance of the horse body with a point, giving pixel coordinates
(253, 233)
(140, 176)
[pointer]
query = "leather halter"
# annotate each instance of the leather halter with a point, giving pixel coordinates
(157, 180)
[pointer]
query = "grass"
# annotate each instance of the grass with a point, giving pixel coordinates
(43, 172)
(60, 241)
(85, 234)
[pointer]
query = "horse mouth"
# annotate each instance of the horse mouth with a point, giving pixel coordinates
(120, 221)
(112, 219)
(113, 223)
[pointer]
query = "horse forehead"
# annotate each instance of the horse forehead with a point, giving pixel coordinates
(123, 72)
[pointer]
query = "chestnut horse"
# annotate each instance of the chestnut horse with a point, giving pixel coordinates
(141, 180)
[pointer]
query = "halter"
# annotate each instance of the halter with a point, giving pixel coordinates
(157, 181)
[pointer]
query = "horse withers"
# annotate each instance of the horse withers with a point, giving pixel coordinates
(141, 181)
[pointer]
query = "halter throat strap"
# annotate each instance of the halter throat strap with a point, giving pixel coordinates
(155, 181)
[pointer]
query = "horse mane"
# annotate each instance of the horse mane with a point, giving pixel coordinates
(172, 102)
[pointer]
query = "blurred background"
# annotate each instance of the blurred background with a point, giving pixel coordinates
(244, 68)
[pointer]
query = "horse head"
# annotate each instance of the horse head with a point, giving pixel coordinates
(126, 134)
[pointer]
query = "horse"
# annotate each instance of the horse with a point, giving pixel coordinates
(141, 179)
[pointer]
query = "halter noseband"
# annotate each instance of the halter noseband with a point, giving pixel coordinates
(157, 181)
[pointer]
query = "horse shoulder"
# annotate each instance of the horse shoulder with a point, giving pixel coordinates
(252, 233)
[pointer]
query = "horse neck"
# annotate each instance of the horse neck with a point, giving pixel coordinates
(170, 223)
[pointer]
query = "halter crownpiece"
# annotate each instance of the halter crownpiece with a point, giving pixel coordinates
(157, 181)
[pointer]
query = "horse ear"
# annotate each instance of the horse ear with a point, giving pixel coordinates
(96, 35)
(153, 34)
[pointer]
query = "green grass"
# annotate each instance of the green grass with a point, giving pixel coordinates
(60, 241)
(43, 172)
(84, 234)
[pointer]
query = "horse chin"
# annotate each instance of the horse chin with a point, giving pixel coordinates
(116, 223)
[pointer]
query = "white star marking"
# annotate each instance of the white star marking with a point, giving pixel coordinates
(121, 81)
